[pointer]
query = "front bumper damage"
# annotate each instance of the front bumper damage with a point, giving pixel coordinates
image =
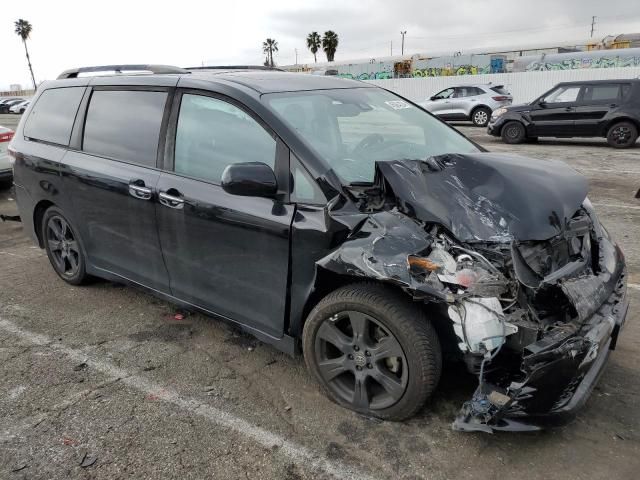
(559, 372)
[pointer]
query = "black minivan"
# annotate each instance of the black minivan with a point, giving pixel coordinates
(332, 217)
(597, 108)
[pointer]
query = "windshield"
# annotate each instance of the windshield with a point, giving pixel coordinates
(354, 128)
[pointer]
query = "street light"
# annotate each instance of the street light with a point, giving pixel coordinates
(402, 48)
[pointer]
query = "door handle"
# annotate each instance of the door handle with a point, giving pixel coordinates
(139, 191)
(171, 201)
(569, 109)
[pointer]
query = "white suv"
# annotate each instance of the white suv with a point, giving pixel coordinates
(468, 102)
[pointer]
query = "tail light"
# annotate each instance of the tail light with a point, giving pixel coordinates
(501, 98)
(6, 137)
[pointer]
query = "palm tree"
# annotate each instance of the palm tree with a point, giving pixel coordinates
(314, 42)
(23, 30)
(330, 44)
(268, 47)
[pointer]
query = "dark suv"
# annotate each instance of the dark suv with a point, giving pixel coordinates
(599, 108)
(336, 217)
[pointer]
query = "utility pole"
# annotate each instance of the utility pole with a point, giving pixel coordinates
(402, 49)
(296, 55)
(392, 48)
(593, 22)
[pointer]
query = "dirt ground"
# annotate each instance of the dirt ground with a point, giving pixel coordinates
(103, 382)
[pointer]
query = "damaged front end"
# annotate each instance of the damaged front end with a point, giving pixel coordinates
(534, 286)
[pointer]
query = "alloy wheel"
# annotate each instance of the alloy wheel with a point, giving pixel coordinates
(64, 248)
(361, 361)
(480, 117)
(621, 135)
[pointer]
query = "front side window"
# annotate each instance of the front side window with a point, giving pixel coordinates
(212, 134)
(124, 125)
(443, 94)
(51, 118)
(351, 129)
(563, 95)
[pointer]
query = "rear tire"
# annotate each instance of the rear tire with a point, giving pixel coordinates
(373, 351)
(513, 132)
(480, 116)
(64, 247)
(622, 135)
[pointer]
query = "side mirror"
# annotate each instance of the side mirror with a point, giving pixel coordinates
(433, 98)
(249, 179)
(542, 103)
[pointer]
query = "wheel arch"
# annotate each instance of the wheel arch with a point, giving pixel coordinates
(476, 107)
(328, 281)
(38, 213)
(613, 121)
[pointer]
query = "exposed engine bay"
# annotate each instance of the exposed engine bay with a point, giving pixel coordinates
(532, 313)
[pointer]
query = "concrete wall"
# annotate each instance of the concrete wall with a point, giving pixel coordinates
(524, 86)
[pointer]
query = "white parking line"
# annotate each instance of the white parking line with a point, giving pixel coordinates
(297, 453)
(617, 205)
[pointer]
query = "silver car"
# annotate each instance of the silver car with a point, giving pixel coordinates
(6, 169)
(468, 102)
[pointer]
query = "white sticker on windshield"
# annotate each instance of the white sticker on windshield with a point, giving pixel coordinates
(398, 104)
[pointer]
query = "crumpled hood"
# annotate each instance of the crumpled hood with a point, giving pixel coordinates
(487, 196)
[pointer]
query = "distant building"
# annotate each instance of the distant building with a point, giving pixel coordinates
(15, 87)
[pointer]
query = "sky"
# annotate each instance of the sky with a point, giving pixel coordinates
(71, 33)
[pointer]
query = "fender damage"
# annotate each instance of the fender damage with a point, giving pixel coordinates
(511, 248)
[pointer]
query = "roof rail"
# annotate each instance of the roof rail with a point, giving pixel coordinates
(158, 69)
(236, 67)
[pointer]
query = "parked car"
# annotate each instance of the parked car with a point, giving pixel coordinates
(19, 107)
(468, 102)
(334, 217)
(597, 108)
(6, 170)
(5, 105)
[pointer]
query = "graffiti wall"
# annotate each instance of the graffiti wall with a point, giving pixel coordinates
(577, 60)
(475, 64)
(366, 71)
(450, 66)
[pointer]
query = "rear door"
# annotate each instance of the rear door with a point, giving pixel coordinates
(112, 176)
(596, 102)
(556, 114)
(459, 102)
(225, 253)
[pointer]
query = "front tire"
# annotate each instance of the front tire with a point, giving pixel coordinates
(480, 116)
(63, 247)
(513, 132)
(622, 135)
(373, 351)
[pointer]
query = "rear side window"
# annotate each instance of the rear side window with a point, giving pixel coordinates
(500, 90)
(51, 118)
(124, 125)
(601, 93)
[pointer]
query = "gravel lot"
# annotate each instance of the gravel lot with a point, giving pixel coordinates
(103, 382)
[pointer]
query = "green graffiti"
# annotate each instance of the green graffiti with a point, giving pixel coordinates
(576, 63)
(448, 71)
